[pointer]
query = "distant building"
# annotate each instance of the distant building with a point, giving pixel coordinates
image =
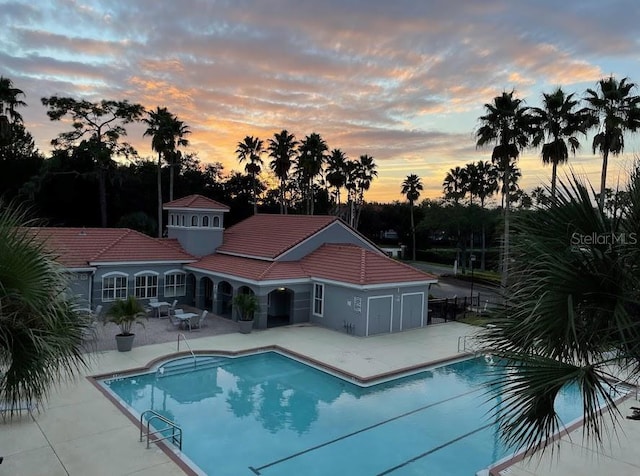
(302, 268)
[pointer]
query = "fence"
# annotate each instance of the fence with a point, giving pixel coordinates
(450, 309)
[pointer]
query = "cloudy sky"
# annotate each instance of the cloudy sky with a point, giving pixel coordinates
(403, 81)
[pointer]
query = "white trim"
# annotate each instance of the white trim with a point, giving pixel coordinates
(174, 272)
(147, 272)
(370, 287)
(369, 299)
(362, 239)
(228, 253)
(314, 299)
(80, 270)
(402, 307)
(269, 282)
(192, 209)
(205, 228)
(113, 274)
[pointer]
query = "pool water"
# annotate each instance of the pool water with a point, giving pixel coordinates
(267, 414)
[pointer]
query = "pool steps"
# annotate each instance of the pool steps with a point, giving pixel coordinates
(186, 365)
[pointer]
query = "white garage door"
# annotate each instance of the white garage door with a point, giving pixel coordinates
(412, 310)
(379, 312)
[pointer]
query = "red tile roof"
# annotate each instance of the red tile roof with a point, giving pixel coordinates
(254, 269)
(268, 236)
(353, 264)
(78, 247)
(196, 201)
(343, 263)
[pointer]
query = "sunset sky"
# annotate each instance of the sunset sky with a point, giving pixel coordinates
(402, 81)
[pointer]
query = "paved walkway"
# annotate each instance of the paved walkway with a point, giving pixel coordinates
(80, 432)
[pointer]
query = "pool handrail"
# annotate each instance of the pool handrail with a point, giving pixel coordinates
(184, 338)
(175, 439)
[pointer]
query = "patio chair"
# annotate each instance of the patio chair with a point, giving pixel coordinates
(97, 312)
(172, 308)
(174, 322)
(197, 322)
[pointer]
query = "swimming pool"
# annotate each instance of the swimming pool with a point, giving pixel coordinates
(268, 414)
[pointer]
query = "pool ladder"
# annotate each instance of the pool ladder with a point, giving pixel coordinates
(176, 431)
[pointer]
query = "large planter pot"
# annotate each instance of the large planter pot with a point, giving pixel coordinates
(124, 342)
(245, 326)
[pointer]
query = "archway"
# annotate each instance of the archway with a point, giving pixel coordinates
(191, 289)
(206, 291)
(223, 299)
(280, 302)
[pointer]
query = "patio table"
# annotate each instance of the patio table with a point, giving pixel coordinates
(157, 305)
(184, 318)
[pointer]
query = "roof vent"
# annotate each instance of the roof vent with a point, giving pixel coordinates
(82, 232)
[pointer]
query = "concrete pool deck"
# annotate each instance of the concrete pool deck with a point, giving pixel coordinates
(80, 432)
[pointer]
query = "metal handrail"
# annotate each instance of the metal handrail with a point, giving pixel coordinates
(176, 431)
(184, 338)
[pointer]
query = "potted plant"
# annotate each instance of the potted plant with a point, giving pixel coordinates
(246, 306)
(126, 313)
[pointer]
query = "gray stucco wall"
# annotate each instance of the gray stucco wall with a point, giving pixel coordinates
(197, 241)
(347, 309)
(335, 233)
(79, 285)
(131, 271)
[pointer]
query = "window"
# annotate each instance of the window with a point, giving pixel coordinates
(216, 222)
(205, 221)
(183, 222)
(173, 219)
(146, 285)
(114, 286)
(194, 220)
(318, 299)
(175, 284)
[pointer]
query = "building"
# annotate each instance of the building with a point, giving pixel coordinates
(301, 268)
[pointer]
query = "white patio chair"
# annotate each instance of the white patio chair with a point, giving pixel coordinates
(174, 322)
(197, 322)
(172, 308)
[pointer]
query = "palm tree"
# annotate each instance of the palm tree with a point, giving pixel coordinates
(507, 125)
(337, 173)
(160, 124)
(40, 333)
(487, 176)
(249, 150)
(558, 123)
(178, 131)
(453, 184)
(311, 158)
(573, 316)
(411, 188)
(615, 111)
(282, 148)
(9, 100)
(365, 173)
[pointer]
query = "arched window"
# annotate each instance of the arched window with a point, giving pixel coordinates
(216, 222)
(194, 220)
(205, 221)
(114, 286)
(146, 285)
(175, 283)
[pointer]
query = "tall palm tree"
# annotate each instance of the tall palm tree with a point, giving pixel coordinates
(249, 150)
(40, 333)
(507, 124)
(558, 122)
(454, 184)
(159, 124)
(411, 188)
(365, 173)
(311, 158)
(178, 131)
(573, 316)
(337, 173)
(615, 111)
(282, 148)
